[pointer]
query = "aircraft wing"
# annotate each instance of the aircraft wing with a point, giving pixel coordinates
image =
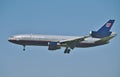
(72, 41)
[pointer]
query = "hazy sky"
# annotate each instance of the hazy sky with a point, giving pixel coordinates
(58, 17)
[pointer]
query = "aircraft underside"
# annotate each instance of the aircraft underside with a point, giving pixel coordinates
(45, 43)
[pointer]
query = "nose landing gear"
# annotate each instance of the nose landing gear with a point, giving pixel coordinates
(23, 47)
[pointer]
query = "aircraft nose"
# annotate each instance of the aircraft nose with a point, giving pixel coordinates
(11, 40)
(14, 39)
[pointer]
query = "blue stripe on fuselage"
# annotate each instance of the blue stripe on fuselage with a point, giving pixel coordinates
(45, 43)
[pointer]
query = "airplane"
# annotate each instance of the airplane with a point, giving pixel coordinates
(54, 42)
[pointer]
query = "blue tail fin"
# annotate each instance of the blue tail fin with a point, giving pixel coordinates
(104, 31)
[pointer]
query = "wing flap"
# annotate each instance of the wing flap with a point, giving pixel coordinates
(72, 41)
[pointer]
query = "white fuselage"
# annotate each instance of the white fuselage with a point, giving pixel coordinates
(43, 40)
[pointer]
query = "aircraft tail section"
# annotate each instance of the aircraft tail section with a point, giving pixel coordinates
(104, 31)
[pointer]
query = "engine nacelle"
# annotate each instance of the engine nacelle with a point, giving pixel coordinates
(53, 46)
(98, 34)
(93, 33)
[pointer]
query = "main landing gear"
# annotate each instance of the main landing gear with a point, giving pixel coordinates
(67, 50)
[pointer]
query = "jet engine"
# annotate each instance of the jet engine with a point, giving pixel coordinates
(96, 34)
(93, 33)
(99, 34)
(53, 46)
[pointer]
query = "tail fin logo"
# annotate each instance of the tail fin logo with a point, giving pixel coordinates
(108, 25)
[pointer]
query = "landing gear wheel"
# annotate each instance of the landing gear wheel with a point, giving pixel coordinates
(67, 50)
(23, 49)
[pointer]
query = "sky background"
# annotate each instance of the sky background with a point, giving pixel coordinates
(58, 17)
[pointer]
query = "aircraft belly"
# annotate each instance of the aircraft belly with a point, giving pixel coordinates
(31, 42)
